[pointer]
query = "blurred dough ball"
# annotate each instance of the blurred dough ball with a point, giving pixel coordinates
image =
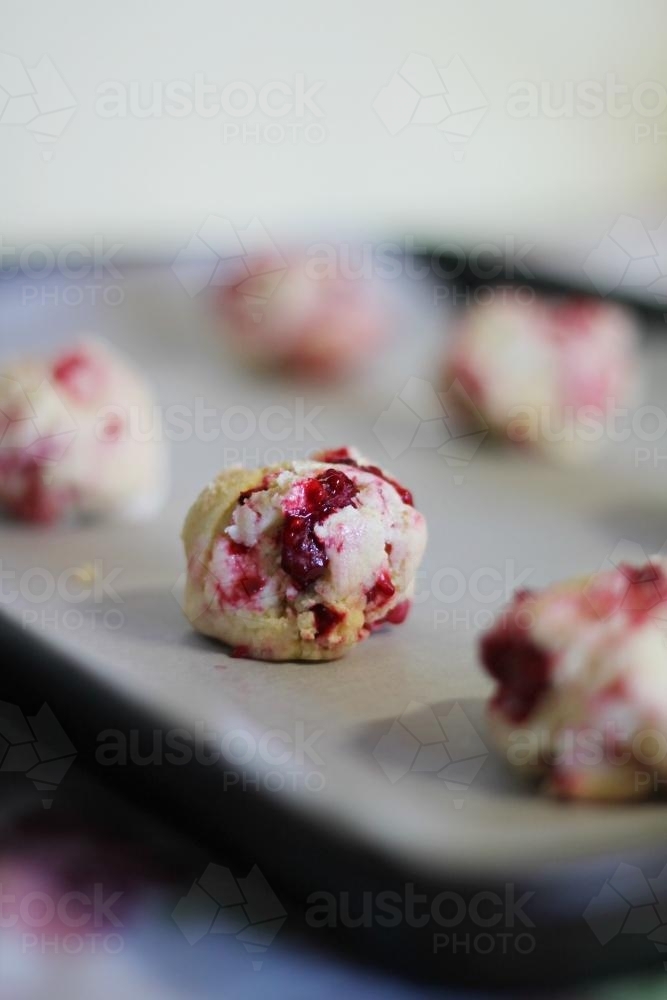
(302, 317)
(547, 374)
(77, 437)
(580, 667)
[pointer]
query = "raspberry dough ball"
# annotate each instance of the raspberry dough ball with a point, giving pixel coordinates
(72, 434)
(300, 321)
(581, 669)
(301, 561)
(545, 374)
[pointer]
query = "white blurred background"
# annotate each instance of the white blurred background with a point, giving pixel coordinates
(148, 167)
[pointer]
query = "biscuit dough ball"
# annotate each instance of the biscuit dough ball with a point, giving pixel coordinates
(544, 374)
(301, 320)
(73, 437)
(581, 672)
(302, 560)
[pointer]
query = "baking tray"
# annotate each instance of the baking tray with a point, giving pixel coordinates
(362, 811)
